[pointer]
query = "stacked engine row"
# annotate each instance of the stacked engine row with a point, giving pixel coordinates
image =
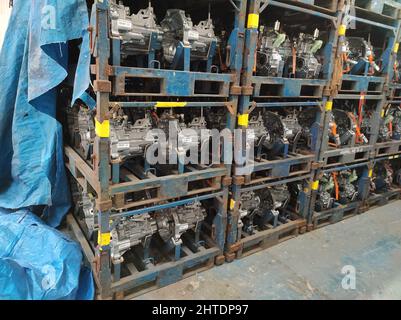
(214, 129)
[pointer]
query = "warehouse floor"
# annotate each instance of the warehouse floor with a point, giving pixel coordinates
(309, 267)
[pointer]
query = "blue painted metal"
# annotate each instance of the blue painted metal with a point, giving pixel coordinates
(341, 211)
(112, 181)
(382, 199)
(239, 243)
(297, 88)
(383, 8)
(152, 104)
(279, 171)
(167, 205)
(394, 95)
(344, 167)
(301, 9)
(383, 158)
(363, 84)
(285, 104)
(359, 96)
(366, 84)
(239, 91)
(328, 5)
(388, 148)
(334, 215)
(330, 156)
(289, 87)
(165, 274)
(273, 169)
(172, 83)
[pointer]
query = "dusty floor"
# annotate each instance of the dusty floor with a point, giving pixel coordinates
(309, 267)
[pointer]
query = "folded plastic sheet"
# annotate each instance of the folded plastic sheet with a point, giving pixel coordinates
(38, 262)
(33, 62)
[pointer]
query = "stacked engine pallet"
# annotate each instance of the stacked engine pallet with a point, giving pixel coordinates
(304, 94)
(358, 122)
(287, 82)
(158, 77)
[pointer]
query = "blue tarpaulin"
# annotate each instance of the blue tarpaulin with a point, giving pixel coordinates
(33, 62)
(38, 262)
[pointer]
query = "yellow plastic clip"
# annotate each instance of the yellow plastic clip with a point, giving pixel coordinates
(232, 204)
(104, 239)
(342, 30)
(383, 113)
(329, 105)
(315, 185)
(167, 104)
(243, 119)
(396, 47)
(102, 129)
(370, 174)
(253, 21)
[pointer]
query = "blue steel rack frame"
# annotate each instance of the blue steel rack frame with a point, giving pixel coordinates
(339, 211)
(393, 98)
(367, 84)
(381, 8)
(111, 182)
(240, 244)
(295, 167)
(391, 147)
(331, 156)
(290, 87)
(138, 275)
(378, 199)
(238, 94)
(365, 88)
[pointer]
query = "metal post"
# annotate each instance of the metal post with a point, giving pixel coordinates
(102, 87)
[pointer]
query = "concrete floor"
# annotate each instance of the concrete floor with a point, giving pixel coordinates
(309, 267)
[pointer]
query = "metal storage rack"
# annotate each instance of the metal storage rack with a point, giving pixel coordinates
(384, 8)
(279, 87)
(112, 183)
(331, 156)
(363, 22)
(393, 99)
(274, 93)
(339, 211)
(389, 193)
(236, 94)
(365, 88)
(241, 243)
(360, 89)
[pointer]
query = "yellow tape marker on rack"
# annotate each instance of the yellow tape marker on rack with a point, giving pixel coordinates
(396, 47)
(102, 129)
(253, 21)
(370, 173)
(383, 113)
(329, 105)
(243, 119)
(104, 239)
(342, 30)
(315, 185)
(165, 104)
(232, 204)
